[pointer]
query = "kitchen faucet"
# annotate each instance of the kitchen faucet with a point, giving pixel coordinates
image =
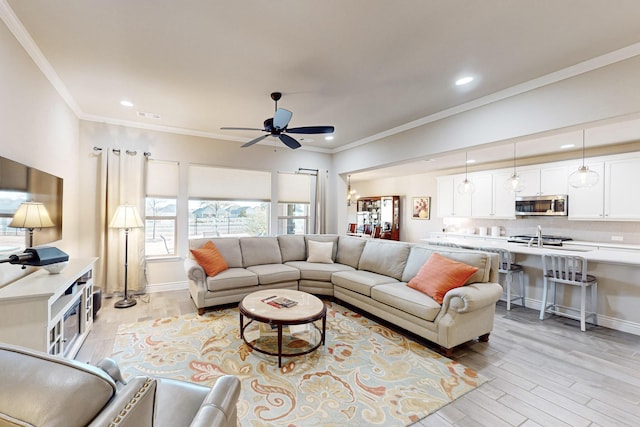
(538, 237)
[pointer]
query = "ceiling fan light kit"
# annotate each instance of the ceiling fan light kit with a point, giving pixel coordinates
(583, 177)
(277, 126)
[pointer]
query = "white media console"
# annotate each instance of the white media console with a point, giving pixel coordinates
(52, 313)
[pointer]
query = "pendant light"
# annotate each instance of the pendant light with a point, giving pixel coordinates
(583, 177)
(466, 186)
(514, 183)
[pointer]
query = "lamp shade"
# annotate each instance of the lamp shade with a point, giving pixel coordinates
(31, 215)
(126, 216)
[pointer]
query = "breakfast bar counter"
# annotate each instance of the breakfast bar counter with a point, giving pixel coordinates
(616, 267)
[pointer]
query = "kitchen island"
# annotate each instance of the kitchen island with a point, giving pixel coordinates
(616, 266)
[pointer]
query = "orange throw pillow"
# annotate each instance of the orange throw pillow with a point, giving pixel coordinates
(210, 259)
(439, 275)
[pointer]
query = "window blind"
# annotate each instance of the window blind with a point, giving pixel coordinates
(294, 188)
(162, 178)
(208, 182)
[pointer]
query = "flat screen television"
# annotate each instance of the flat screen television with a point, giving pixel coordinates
(21, 183)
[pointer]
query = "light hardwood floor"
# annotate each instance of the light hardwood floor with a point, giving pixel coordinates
(542, 373)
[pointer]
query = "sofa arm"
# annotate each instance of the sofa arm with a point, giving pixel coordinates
(194, 271)
(219, 407)
(472, 297)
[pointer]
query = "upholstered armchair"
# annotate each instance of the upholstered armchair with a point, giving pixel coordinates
(38, 389)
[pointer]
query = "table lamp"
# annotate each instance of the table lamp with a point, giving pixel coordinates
(126, 217)
(31, 215)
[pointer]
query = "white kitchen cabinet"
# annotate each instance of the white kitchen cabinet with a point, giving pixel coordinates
(621, 195)
(613, 197)
(450, 202)
(587, 203)
(491, 199)
(503, 202)
(482, 197)
(544, 181)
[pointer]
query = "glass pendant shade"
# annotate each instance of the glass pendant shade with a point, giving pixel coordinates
(514, 183)
(583, 177)
(466, 186)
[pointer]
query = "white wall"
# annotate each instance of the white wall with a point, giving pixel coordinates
(38, 130)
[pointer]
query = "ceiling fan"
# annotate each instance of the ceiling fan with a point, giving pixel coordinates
(276, 126)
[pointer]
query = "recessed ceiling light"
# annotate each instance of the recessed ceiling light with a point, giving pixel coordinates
(148, 115)
(471, 161)
(464, 80)
(126, 103)
(565, 146)
(328, 138)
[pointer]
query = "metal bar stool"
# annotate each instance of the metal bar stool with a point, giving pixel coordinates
(508, 268)
(568, 270)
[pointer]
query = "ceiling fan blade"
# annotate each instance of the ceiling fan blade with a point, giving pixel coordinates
(253, 141)
(289, 142)
(232, 128)
(281, 118)
(312, 129)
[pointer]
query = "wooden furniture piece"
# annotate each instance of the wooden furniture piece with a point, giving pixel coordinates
(259, 307)
(52, 313)
(379, 211)
(568, 270)
(509, 269)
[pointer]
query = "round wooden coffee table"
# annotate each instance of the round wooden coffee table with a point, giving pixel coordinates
(262, 307)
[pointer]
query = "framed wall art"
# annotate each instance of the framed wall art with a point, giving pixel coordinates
(421, 207)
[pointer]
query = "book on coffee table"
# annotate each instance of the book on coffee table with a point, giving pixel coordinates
(279, 302)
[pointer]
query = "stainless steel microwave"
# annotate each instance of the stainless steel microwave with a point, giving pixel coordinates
(555, 205)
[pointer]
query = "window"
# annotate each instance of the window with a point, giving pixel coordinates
(293, 218)
(213, 218)
(160, 226)
(11, 239)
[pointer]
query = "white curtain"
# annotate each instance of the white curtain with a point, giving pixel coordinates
(121, 182)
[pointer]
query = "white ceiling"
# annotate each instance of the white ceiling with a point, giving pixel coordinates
(364, 66)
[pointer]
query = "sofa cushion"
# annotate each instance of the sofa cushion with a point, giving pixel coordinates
(360, 281)
(384, 257)
(320, 252)
(349, 250)
(292, 247)
(232, 278)
(260, 250)
(324, 238)
(420, 254)
(402, 297)
(439, 275)
(274, 273)
(210, 259)
(229, 248)
(317, 271)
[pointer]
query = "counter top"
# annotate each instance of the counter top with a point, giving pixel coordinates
(592, 251)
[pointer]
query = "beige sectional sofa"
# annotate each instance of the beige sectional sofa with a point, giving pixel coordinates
(370, 274)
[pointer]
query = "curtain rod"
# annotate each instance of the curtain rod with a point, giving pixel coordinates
(117, 151)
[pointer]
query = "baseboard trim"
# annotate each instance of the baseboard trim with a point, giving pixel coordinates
(165, 287)
(606, 321)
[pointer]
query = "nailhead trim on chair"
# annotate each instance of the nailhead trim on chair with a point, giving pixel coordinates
(132, 402)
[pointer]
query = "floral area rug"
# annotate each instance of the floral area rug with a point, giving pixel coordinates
(365, 374)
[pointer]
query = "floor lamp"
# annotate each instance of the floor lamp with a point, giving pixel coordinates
(126, 217)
